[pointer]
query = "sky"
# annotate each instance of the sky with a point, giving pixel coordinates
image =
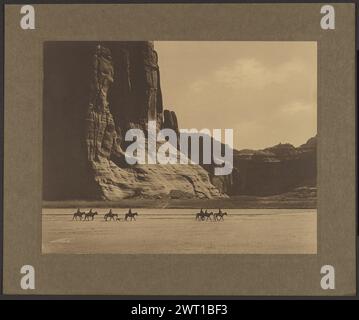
(265, 91)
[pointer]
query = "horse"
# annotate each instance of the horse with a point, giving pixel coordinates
(200, 216)
(207, 215)
(131, 215)
(218, 216)
(77, 214)
(90, 214)
(110, 216)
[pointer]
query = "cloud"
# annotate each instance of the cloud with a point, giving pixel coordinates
(199, 85)
(250, 73)
(253, 74)
(297, 107)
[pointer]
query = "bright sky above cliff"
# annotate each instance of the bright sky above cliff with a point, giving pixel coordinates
(265, 91)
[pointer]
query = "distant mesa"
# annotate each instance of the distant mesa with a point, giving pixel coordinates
(275, 170)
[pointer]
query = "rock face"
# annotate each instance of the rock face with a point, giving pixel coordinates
(170, 120)
(93, 93)
(136, 95)
(101, 136)
(270, 171)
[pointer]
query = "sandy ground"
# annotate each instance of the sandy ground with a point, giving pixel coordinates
(244, 231)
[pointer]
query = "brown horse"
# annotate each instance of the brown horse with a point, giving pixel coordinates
(110, 216)
(91, 215)
(218, 216)
(200, 216)
(207, 215)
(131, 215)
(78, 214)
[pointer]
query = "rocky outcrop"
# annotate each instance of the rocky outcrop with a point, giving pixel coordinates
(275, 170)
(136, 95)
(101, 136)
(170, 120)
(94, 93)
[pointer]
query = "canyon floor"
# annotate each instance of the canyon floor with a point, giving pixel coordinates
(299, 198)
(156, 231)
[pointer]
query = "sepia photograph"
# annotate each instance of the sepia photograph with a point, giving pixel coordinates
(198, 147)
(179, 152)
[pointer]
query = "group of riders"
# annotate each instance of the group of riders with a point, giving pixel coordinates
(205, 215)
(107, 216)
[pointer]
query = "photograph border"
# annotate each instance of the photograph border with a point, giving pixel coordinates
(289, 283)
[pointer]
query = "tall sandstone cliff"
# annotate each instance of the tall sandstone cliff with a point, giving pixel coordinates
(93, 93)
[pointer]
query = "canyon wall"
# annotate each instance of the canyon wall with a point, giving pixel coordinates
(271, 171)
(93, 93)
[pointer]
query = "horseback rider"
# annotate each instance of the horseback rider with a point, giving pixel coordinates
(78, 213)
(131, 215)
(130, 212)
(199, 214)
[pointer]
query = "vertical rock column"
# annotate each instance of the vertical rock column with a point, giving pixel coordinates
(170, 120)
(100, 127)
(153, 96)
